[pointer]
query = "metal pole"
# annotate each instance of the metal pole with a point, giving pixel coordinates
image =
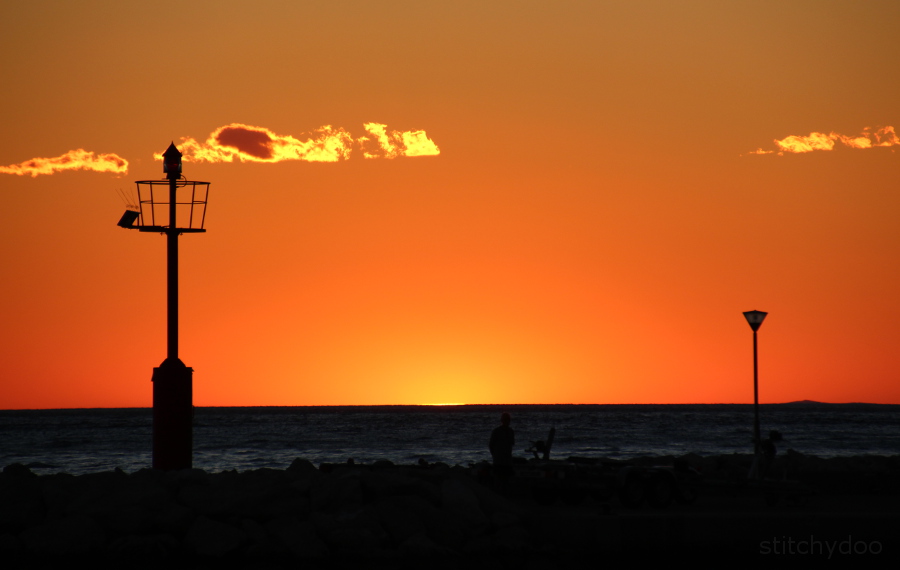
(172, 281)
(756, 437)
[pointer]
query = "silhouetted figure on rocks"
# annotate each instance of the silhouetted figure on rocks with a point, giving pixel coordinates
(503, 439)
(765, 455)
(768, 449)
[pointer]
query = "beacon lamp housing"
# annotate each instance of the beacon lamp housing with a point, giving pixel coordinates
(172, 162)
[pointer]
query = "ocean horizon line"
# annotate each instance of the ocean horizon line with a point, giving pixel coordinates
(463, 405)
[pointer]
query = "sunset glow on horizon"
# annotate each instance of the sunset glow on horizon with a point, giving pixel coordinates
(419, 202)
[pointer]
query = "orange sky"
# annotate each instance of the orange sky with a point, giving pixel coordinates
(595, 222)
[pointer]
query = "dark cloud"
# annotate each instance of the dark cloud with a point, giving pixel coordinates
(255, 143)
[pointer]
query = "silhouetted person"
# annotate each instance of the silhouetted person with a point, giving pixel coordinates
(768, 449)
(502, 440)
(765, 455)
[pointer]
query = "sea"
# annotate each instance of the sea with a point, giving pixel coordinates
(80, 441)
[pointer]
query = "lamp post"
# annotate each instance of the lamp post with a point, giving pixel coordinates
(755, 318)
(172, 381)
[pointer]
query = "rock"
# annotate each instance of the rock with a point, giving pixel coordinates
(208, 537)
(10, 545)
(174, 480)
(457, 498)
(144, 547)
(420, 546)
(402, 517)
(210, 498)
(266, 494)
(254, 530)
(58, 491)
(351, 529)
(17, 471)
(21, 499)
(512, 539)
(302, 467)
(299, 537)
(502, 519)
(69, 536)
(382, 483)
(174, 518)
(340, 489)
(119, 503)
(449, 530)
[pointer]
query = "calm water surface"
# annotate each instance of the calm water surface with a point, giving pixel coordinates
(84, 441)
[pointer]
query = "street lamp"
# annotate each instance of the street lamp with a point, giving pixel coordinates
(755, 318)
(161, 212)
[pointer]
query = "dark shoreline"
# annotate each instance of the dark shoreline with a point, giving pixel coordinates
(396, 516)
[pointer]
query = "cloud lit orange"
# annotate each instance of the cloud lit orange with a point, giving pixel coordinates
(396, 143)
(869, 138)
(78, 159)
(327, 144)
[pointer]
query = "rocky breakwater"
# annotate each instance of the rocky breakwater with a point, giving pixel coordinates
(322, 516)
(390, 516)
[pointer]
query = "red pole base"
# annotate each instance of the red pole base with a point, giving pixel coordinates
(173, 412)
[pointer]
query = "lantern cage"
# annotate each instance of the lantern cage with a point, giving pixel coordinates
(152, 214)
